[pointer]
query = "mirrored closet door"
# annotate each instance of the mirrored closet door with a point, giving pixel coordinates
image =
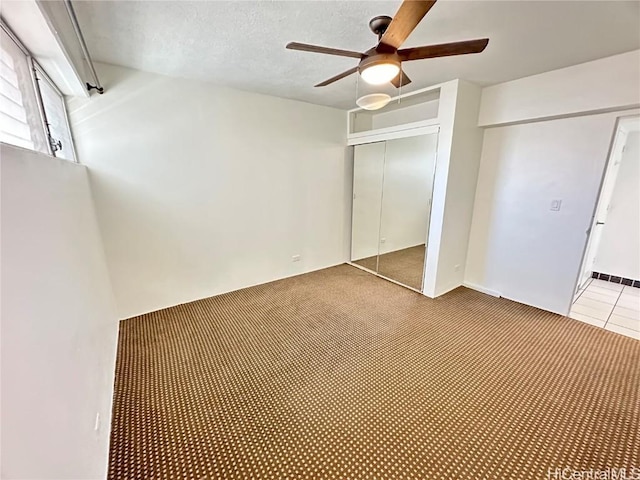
(392, 190)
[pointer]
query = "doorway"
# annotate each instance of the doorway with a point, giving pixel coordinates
(607, 292)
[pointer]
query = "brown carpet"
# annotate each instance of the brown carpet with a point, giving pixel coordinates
(338, 374)
(404, 266)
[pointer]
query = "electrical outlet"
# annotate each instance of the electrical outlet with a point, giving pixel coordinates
(96, 425)
(382, 240)
(457, 268)
(295, 258)
(555, 205)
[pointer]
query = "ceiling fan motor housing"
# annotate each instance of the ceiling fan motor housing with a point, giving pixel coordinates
(380, 58)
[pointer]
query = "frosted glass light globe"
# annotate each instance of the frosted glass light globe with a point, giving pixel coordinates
(373, 101)
(380, 73)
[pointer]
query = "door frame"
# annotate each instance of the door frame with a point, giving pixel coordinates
(618, 130)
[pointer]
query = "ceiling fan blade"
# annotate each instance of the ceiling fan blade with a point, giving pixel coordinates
(338, 77)
(401, 80)
(318, 49)
(443, 50)
(406, 19)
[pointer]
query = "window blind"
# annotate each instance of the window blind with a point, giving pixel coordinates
(20, 122)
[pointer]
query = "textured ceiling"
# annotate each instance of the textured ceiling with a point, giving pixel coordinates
(241, 44)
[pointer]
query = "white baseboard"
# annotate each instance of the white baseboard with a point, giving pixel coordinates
(446, 290)
(235, 288)
(479, 288)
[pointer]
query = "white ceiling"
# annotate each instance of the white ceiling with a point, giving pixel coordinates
(241, 44)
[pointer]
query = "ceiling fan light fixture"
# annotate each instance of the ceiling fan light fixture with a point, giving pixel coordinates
(373, 101)
(379, 69)
(382, 63)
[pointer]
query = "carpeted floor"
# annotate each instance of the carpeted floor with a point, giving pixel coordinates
(405, 266)
(338, 374)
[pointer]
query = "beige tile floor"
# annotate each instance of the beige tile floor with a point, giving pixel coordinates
(610, 306)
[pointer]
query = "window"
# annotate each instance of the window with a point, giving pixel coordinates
(32, 110)
(55, 115)
(20, 115)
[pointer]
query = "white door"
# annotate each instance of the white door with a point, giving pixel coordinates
(602, 209)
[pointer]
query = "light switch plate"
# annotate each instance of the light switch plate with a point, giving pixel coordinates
(555, 205)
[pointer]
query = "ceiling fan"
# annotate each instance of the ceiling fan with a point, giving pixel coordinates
(382, 63)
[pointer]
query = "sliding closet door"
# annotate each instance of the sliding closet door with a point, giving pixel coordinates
(368, 168)
(409, 169)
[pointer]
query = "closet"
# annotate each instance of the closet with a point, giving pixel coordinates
(392, 190)
(415, 169)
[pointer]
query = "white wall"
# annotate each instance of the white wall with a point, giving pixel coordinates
(519, 248)
(446, 116)
(59, 327)
(390, 117)
(549, 140)
(201, 189)
(619, 249)
(606, 84)
(462, 177)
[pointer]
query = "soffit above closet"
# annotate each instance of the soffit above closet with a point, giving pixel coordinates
(241, 44)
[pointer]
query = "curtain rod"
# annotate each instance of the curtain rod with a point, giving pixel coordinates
(76, 26)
